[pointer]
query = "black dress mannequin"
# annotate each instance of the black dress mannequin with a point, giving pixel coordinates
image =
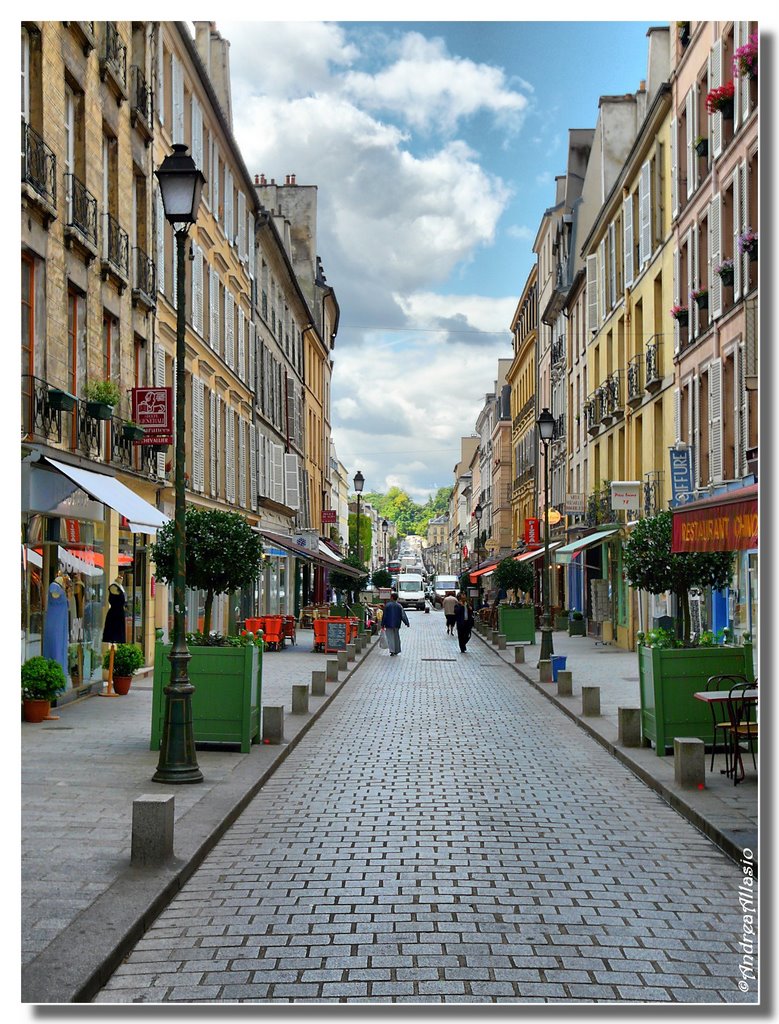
(113, 629)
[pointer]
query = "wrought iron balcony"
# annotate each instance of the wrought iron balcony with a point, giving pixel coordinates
(140, 458)
(114, 57)
(614, 395)
(635, 390)
(81, 220)
(116, 249)
(591, 415)
(39, 165)
(144, 279)
(141, 101)
(558, 353)
(41, 421)
(559, 428)
(653, 362)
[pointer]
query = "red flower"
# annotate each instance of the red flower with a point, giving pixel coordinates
(719, 97)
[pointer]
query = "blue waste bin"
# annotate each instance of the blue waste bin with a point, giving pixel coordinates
(558, 662)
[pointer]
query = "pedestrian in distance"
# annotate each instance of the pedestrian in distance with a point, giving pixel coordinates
(463, 618)
(394, 614)
(449, 604)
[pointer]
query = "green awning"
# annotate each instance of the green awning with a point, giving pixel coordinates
(569, 551)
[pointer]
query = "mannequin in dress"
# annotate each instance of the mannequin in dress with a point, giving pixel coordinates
(113, 628)
(55, 630)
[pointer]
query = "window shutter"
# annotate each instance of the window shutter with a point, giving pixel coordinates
(695, 433)
(715, 420)
(745, 264)
(177, 78)
(213, 300)
(241, 346)
(715, 81)
(592, 294)
(159, 382)
(278, 473)
(676, 276)
(691, 305)
(241, 226)
(229, 455)
(266, 383)
(715, 255)
(744, 418)
(252, 467)
(737, 261)
(291, 482)
(159, 106)
(160, 268)
(219, 448)
(744, 82)
(299, 416)
(602, 308)
(242, 462)
(253, 358)
(290, 409)
(198, 435)
(627, 235)
(677, 414)
(674, 168)
(645, 214)
(737, 382)
(212, 442)
(612, 265)
(229, 330)
(197, 134)
(251, 247)
(228, 206)
(691, 154)
(215, 182)
(197, 290)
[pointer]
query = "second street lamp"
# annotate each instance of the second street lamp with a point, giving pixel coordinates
(384, 529)
(181, 184)
(359, 483)
(460, 539)
(545, 424)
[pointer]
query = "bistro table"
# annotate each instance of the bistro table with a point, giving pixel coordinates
(715, 698)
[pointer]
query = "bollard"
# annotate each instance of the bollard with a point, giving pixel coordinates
(318, 683)
(519, 655)
(565, 683)
(689, 762)
(343, 660)
(590, 700)
(299, 698)
(351, 651)
(545, 671)
(493, 636)
(273, 723)
(501, 642)
(152, 829)
(331, 670)
(629, 727)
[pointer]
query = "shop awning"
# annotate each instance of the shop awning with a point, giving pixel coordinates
(723, 522)
(485, 570)
(279, 540)
(140, 515)
(530, 556)
(569, 551)
(328, 560)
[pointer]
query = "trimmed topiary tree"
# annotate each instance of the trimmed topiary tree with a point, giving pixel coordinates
(381, 578)
(650, 565)
(223, 554)
(513, 575)
(350, 585)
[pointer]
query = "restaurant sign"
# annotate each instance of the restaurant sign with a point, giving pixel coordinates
(153, 410)
(728, 526)
(532, 531)
(626, 494)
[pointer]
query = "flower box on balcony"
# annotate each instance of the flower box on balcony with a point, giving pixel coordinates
(681, 315)
(725, 271)
(720, 100)
(701, 298)
(132, 431)
(61, 401)
(702, 146)
(99, 410)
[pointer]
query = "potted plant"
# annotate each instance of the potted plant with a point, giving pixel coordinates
(672, 666)
(724, 271)
(745, 59)
(132, 431)
(42, 679)
(701, 145)
(680, 314)
(720, 100)
(128, 658)
(516, 621)
(102, 396)
(684, 32)
(747, 243)
(60, 400)
(223, 554)
(561, 619)
(576, 625)
(700, 296)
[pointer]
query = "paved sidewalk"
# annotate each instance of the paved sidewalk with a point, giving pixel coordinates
(728, 814)
(80, 775)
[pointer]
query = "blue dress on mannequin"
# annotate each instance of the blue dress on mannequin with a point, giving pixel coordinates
(55, 629)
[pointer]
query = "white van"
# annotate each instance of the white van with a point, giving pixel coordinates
(411, 590)
(442, 585)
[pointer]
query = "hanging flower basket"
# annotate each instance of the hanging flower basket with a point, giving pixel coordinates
(745, 59)
(61, 401)
(724, 271)
(132, 431)
(720, 100)
(700, 296)
(680, 314)
(702, 146)
(684, 32)
(747, 243)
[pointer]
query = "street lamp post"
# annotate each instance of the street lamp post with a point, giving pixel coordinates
(180, 183)
(460, 539)
(384, 529)
(359, 483)
(477, 514)
(545, 424)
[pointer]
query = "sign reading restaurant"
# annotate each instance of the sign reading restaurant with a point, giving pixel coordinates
(727, 522)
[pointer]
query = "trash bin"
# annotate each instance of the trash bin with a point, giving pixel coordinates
(558, 662)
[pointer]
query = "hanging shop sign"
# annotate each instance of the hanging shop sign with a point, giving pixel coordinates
(329, 515)
(153, 410)
(575, 504)
(532, 532)
(553, 517)
(725, 522)
(306, 540)
(681, 476)
(626, 494)
(72, 531)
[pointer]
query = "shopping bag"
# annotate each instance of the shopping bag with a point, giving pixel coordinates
(383, 641)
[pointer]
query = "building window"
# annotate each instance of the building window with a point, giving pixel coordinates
(111, 359)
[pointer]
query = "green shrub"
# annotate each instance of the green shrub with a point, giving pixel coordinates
(42, 678)
(104, 391)
(128, 658)
(577, 616)
(199, 639)
(513, 575)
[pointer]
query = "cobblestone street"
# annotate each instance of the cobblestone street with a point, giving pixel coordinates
(444, 834)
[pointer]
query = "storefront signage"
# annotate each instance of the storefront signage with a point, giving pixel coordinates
(306, 540)
(626, 494)
(681, 476)
(336, 636)
(532, 532)
(72, 531)
(153, 410)
(329, 515)
(553, 517)
(725, 527)
(575, 504)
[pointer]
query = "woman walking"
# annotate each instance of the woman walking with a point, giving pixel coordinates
(463, 620)
(394, 614)
(449, 604)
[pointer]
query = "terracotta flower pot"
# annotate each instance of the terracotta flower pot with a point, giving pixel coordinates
(36, 710)
(122, 684)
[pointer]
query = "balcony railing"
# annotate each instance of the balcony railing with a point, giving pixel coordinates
(635, 390)
(590, 409)
(614, 394)
(116, 246)
(559, 428)
(115, 53)
(39, 165)
(82, 209)
(141, 98)
(558, 353)
(653, 363)
(145, 276)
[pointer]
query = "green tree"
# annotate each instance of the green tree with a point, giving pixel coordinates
(366, 533)
(223, 553)
(349, 585)
(650, 565)
(513, 575)
(381, 578)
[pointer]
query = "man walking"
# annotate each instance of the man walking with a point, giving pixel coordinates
(394, 614)
(463, 617)
(449, 604)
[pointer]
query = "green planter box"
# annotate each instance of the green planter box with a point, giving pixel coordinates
(61, 401)
(132, 432)
(227, 698)
(561, 622)
(517, 624)
(99, 410)
(668, 678)
(577, 627)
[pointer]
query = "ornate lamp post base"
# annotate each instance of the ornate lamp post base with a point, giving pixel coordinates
(547, 644)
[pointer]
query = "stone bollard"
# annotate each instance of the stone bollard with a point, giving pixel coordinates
(343, 660)
(501, 642)
(689, 762)
(519, 656)
(273, 723)
(590, 700)
(351, 651)
(545, 671)
(564, 683)
(493, 636)
(318, 683)
(331, 670)
(152, 830)
(299, 698)
(629, 727)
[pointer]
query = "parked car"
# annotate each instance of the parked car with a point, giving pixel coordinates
(442, 586)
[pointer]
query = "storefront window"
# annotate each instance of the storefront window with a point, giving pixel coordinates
(132, 573)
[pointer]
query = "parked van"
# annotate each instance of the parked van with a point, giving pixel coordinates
(411, 590)
(442, 585)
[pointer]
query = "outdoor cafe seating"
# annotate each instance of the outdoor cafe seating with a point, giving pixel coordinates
(732, 700)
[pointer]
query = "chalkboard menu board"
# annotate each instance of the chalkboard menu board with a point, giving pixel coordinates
(336, 636)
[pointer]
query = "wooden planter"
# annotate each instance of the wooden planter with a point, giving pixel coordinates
(668, 678)
(577, 627)
(227, 699)
(517, 624)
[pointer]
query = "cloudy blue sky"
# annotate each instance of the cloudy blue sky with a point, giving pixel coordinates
(434, 146)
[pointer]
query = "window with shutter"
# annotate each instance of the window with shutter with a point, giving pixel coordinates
(197, 134)
(692, 156)
(736, 232)
(677, 415)
(252, 466)
(160, 268)
(241, 226)
(289, 426)
(177, 79)
(736, 406)
(291, 482)
(688, 301)
(744, 418)
(230, 454)
(212, 442)
(695, 432)
(715, 420)
(241, 345)
(251, 248)
(159, 105)
(674, 168)
(715, 81)
(715, 255)
(645, 214)
(242, 462)
(746, 269)
(745, 98)
(627, 234)
(197, 290)
(612, 265)
(215, 182)
(278, 473)
(229, 330)
(252, 357)
(213, 299)
(675, 284)
(219, 448)
(602, 307)
(228, 206)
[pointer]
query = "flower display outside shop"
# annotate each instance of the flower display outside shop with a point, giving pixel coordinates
(747, 242)
(720, 98)
(745, 59)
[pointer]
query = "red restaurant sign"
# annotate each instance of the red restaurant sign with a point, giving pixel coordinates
(532, 531)
(726, 522)
(329, 515)
(153, 410)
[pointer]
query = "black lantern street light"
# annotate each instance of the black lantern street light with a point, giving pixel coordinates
(359, 483)
(460, 539)
(477, 514)
(545, 424)
(384, 529)
(181, 184)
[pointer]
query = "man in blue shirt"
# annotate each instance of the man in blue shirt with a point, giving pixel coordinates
(394, 614)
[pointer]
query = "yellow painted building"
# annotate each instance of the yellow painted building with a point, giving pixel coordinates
(522, 379)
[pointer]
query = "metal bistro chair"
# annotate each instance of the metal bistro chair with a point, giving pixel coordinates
(719, 716)
(742, 711)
